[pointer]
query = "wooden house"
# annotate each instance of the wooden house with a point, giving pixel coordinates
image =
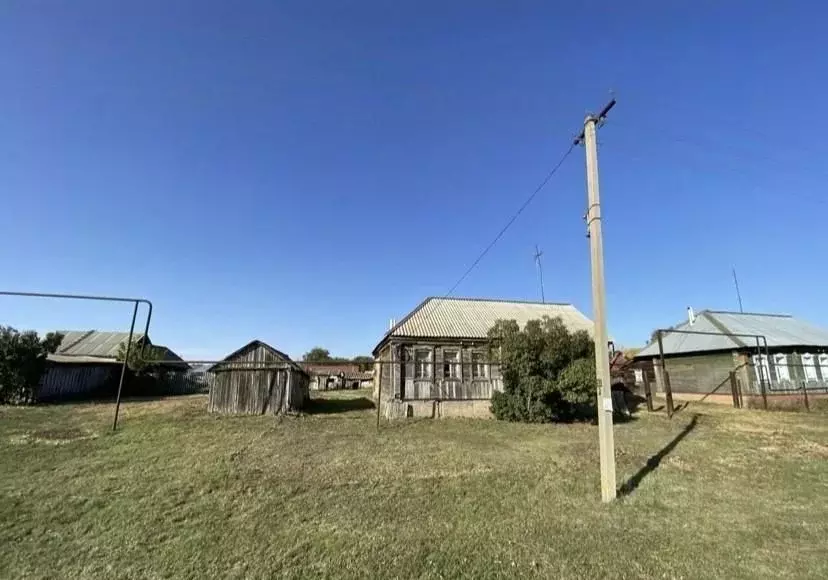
(769, 355)
(435, 361)
(86, 363)
(257, 379)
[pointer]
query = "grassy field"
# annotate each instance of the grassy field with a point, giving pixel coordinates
(176, 493)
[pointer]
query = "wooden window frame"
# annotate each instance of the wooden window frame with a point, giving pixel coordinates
(809, 363)
(452, 364)
(822, 361)
(484, 367)
(780, 361)
(426, 364)
(761, 361)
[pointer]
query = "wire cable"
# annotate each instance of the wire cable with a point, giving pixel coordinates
(500, 234)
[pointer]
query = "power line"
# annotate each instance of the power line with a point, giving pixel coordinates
(511, 220)
(505, 228)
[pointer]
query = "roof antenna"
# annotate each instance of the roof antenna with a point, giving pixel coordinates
(738, 294)
(538, 255)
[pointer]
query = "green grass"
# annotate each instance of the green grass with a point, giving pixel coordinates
(177, 493)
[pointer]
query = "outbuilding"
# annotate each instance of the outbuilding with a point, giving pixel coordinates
(257, 379)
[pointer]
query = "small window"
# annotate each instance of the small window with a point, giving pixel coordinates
(823, 366)
(809, 367)
(451, 364)
(639, 376)
(761, 369)
(780, 361)
(422, 364)
(478, 366)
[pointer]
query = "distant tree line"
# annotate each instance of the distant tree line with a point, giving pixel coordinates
(323, 355)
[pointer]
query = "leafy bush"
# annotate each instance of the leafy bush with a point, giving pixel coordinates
(548, 371)
(22, 363)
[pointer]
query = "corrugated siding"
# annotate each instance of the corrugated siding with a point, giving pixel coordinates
(66, 380)
(469, 318)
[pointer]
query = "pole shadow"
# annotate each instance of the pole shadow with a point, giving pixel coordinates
(654, 461)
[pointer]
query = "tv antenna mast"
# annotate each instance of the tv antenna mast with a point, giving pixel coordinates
(538, 255)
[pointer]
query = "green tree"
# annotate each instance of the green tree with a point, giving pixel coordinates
(23, 362)
(140, 361)
(317, 354)
(322, 355)
(365, 362)
(548, 371)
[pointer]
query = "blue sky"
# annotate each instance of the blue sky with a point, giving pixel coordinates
(301, 172)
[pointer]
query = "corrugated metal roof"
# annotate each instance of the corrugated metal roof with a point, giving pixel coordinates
(81, 359)
(779, 330)
(92, 342)
(473, 317)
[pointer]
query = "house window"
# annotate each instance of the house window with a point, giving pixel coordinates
(761, 369)
(422, 364)
(451, 364)
(823, 366)
(780, 361)
(478, 366)
(809, 367)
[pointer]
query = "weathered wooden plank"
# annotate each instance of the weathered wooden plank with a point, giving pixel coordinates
(251, 384)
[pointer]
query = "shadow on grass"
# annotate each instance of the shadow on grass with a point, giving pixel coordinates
(653, 462)
(109, 399)
(323, 406)
(676, 408)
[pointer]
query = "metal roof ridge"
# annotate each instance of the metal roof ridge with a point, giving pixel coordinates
(502, 300)
(776, 315)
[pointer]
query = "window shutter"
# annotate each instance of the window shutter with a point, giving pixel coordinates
(822, 361)
(770, 376)
(408, 353)
(437, 357)
(465, 358)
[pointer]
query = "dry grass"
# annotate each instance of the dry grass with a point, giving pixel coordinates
(181, 494)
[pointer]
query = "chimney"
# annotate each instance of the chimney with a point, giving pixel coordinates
(391, 324)
(691, 316)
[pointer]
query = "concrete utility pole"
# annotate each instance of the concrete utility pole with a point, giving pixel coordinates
(602, 370)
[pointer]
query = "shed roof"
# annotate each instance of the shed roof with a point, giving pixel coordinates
(255, 344)
(82, 360)
(93, 343)
(780, 330)
(473, 317)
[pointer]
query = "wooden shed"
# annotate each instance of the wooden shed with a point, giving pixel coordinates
(255, 380)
